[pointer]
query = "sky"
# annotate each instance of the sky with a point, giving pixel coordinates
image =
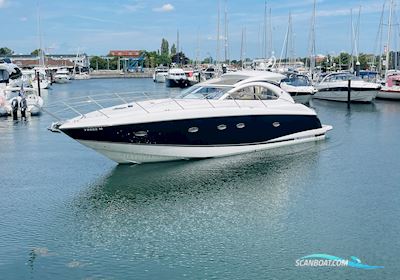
(98, 26)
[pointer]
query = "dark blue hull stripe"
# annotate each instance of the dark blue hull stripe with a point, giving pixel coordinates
(218, 131)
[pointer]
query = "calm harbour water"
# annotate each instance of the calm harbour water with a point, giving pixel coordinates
(69, 213)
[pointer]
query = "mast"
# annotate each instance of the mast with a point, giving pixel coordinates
(218, 23)
(177, 47)
(270, 47)
(39, 31)
(351, 65)
(378, 42)
(312, 41)
(285, 43)
(243, 47)
(226, 35)
(264, 47)
(389, 37)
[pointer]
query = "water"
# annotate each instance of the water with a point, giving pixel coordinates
(69, 213)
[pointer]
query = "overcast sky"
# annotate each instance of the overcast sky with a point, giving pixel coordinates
(97, 26)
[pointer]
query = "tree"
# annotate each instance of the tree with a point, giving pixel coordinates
(97, 62)
(36, 52)
(173, 49)
(4, 51)
(180, 58)
(164, 47)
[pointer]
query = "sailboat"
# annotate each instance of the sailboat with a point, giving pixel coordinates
(391, 89)
(79, 75)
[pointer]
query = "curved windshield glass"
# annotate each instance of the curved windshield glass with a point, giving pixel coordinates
(297, 81)
(343, 77)
(204, 92)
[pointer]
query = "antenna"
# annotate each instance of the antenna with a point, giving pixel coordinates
(218, 23)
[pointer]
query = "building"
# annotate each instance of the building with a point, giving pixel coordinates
(128, 60)
(58, 60)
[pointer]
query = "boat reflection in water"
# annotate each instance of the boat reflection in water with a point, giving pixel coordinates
(173, 209)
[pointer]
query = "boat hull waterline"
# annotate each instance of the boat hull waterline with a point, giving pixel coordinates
(341, 95)
(142, 153)
(211, 137)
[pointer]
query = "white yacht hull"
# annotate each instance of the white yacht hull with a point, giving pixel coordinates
(142, 153)
(61, 80)
(387, 93)
(341, 96)
(43, 84)
(160, 78)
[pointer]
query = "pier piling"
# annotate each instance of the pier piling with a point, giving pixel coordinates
(349, 92)
(38, 82)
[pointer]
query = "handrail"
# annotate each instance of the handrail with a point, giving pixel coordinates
(103, 101)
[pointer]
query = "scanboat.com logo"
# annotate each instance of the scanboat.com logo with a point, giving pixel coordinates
(320, 260)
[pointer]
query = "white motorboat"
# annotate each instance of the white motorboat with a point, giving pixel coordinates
(81, 76)
(30, 79)
(177, 78)
(33, 100)
(391, 89)
(62, 76)
(221, 117)
(299, 87)
(160, 74)
(334, 87)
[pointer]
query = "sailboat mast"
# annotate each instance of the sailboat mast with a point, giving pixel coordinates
(177, 47)
(351, 65)
(226, 34)
(264, 53)
(312, 41)
(218, 23)
(270, 48)
(39, 31)
(241, 48)
(389, 37)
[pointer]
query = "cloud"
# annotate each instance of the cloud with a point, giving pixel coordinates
(22, 18)
(165, 8)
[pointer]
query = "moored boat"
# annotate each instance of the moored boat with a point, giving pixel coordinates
(334, 87)
(220, 117)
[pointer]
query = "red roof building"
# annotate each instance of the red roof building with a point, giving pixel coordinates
(122, 53)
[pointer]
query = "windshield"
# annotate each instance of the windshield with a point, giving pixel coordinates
(297, 81)
(3, 76)
(343, 77)
(204, 92)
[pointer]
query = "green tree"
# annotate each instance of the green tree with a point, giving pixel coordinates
(96, 62)
(4, 51)
(173, 49)
(180, 58)
(36, 52)
(164, 47)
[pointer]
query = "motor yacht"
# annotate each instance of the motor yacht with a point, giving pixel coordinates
(299, 87)
(160, 74)
(33, 100)
(81, 76)
(391, 88)
(334, 87)
(220, 117)
(30, 79)
(62, 76)
(177, 78)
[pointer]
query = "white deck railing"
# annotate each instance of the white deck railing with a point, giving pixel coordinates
(81, 106)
